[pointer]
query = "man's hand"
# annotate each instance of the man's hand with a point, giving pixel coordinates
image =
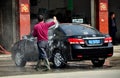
(55, 19)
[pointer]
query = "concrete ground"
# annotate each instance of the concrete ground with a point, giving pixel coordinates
(116, 50)
(78, 74)
(113, 72)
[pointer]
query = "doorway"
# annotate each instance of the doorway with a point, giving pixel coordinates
(114, 6)
(64, 9)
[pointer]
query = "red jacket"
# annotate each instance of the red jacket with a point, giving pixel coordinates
(41, 30)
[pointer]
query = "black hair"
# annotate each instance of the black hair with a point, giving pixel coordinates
(40, 18)
(111, 13)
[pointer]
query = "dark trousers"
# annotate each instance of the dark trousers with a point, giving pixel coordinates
(42, 46)
(113, 35)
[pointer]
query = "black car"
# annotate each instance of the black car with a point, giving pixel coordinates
(67, 42)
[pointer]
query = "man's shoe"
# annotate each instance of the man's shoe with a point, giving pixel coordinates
(36, 68)
(46, 69)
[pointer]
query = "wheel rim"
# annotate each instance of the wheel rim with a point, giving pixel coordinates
(58, 59)
(18, 58)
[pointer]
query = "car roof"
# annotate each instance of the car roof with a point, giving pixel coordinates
(74, 24)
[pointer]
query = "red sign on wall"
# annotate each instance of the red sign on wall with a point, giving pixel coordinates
(103, 6)
(24, 8)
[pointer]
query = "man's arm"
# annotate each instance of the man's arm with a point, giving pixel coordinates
(53, 22)
(34, 33)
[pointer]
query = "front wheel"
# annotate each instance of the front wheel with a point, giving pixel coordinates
(19, 60)
(97, 62)
(58, 59)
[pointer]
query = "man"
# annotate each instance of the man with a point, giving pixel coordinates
(112, 26)
(41, 32)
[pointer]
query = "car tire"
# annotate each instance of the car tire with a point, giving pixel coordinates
(58, 59)
(19, 60)
(97, 62)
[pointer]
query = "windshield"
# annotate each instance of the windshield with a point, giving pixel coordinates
(78, 30)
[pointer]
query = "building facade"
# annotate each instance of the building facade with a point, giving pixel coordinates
(17, 17)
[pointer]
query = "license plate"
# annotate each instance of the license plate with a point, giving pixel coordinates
(94, 42)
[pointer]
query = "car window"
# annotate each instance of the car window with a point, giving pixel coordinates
(59, 32)
(78, 30)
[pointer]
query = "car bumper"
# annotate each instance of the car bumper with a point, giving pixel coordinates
(89, 53)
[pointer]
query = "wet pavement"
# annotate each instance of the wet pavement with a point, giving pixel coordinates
(77, 74)
(8, 68)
